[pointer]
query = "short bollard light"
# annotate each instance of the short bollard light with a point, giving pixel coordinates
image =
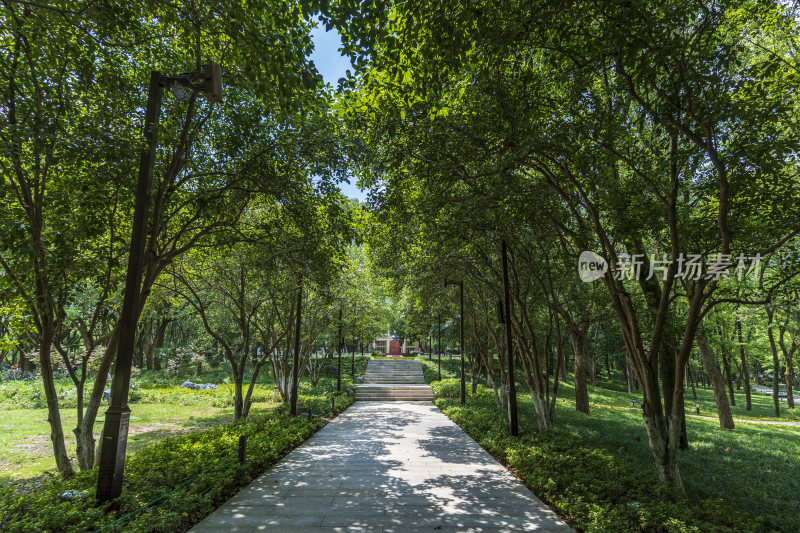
(697, 408)
(633, 402)
(333, 402)
(242, 449)
(310, 414)
(275, 393)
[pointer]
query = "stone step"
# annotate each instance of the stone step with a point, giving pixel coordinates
(394, 374)
(398, 381)
(384, 369)
(428, 394)
(394, 364)
(387, 381)
(395, 370)
(393, 386)
(416, 396)
(402, 374)
(394, 381)
(396, 378)
(391, 362)
(409, 371)
(394, 393)
(399, 376)
(384, 399)
(420, 397)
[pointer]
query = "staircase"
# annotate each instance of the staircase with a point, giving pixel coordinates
(394, 381)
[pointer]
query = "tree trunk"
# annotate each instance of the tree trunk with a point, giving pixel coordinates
(728, 379)
(594, 355)
(691, 382)
(138, 351)
(663, 448)
(712, 369)
(85, 447)
(158, 341)
(789, 378)
(745, 370)
(84, 431)
(24, 364)
(668, 380)
(541, 409)
(788, 354)
(629, 377)
(147, 344)
(247, 399)
(776, 364)
(580, 350)
(53, 412)
(238, 401)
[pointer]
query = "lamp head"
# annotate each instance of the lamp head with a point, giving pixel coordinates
(212, 86)
(179, 92)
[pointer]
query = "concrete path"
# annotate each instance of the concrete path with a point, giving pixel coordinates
(388, 467)
(782, 396)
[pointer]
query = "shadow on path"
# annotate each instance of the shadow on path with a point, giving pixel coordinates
(390, 467)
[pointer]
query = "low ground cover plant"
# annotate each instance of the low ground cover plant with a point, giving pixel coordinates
(181, 478)
(592, 487)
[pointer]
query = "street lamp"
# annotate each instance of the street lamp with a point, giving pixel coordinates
(439, 347)
(504, 317)
(339, 360)
(115, 429)
(446, 283)
(296, 355)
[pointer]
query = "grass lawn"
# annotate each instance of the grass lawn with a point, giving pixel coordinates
(615, 392)
(759, 475)
(173, 481)
(162, 409)
(26, 451)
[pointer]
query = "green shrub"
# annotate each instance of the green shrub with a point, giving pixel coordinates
(450, 368)
(592, 488)
(192, 475)
(447, 388)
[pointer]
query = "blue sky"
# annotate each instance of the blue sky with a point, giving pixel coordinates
(332, 65)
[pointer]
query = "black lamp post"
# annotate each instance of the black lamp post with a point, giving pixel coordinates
(505, 318)
(339, 360)
(115, 429)
(430, 347)
(439, 347)
(353, 361)
(294, 394)
(460, 333)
